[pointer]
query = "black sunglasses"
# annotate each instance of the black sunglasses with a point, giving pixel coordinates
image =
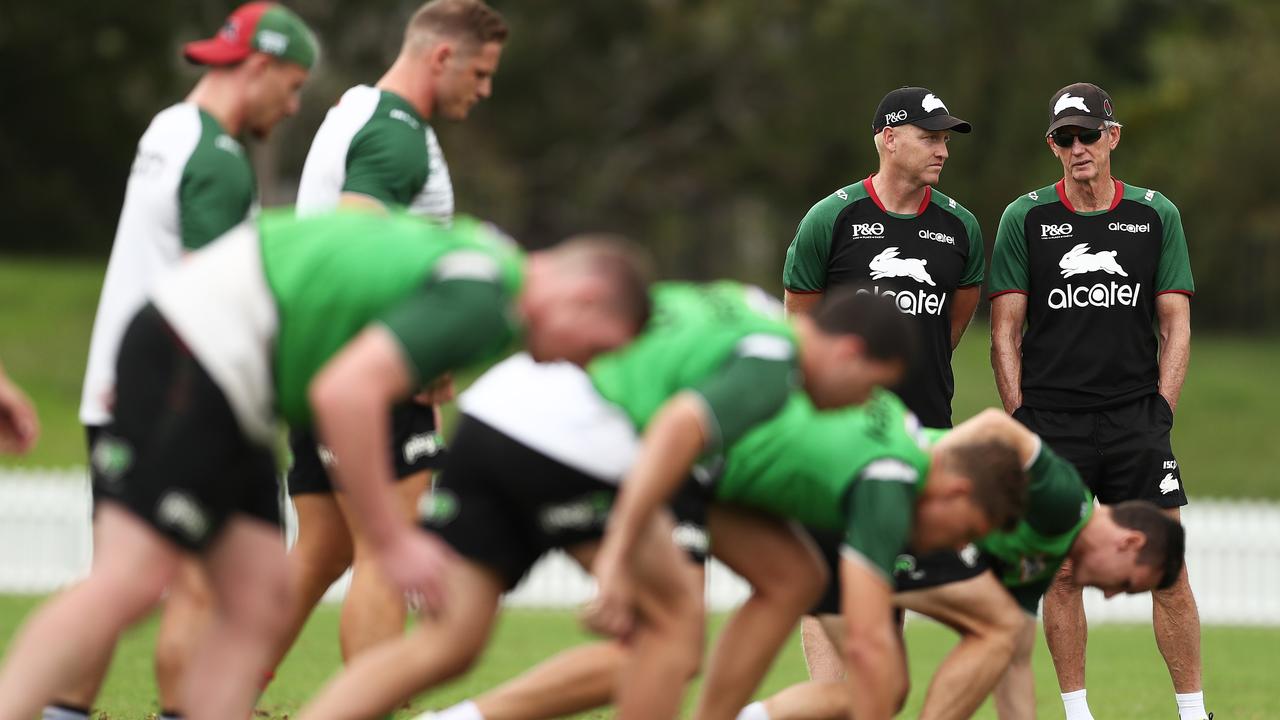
(1064, 138)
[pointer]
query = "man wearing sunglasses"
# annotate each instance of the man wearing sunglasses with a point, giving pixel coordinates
(1088, 264)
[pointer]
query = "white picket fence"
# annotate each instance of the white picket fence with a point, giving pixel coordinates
(1233, 556)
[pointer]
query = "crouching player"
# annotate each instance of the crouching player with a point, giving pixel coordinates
(332, 318)
(1130, 547)
(538, 455)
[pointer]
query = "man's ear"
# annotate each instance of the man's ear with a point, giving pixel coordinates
(1132, 540)
(851, 346)
(257, 63)
(1113, 136)
(961, 487)
(890, 139)
(440, 55)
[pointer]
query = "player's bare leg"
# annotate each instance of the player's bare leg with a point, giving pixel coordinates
(1066, 630)
(577, 680)
(1015, 694)
(822, 658)
(63, 639)
(442, 646)
(82, 691)
(247, 571)
(318, 558)
(186, 614)
(822, 698)
(989, 622)
(1177, 624)
(374, 610)
(786, 575)
(812, 700)
(665, 648)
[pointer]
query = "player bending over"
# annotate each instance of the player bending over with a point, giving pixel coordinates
(539, 453)
(804, 463)
(335, 318)
(1130, 547)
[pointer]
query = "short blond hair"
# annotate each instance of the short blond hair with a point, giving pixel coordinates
(471, 21)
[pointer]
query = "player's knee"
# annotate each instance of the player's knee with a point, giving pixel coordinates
(450, 656)
(904, 691)
(259, 606)
(127, 598)
(687, 656)
(172, 651)
(803, 583)
(321, 559)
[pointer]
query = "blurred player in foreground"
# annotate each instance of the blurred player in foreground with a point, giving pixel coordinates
(335, 318)
(868, 472)
(377, 150)
(539, 454)
(1129, 548)
(191, 182)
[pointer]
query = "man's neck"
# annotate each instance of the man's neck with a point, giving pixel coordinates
(1092, 534)
(898, 194)
(1092, 195)
(404, 79)
(218, 94)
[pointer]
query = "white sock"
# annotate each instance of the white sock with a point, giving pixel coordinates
(1076, 706)
(465, 710)
(754, 711)
(1191, 706)
(58, 712)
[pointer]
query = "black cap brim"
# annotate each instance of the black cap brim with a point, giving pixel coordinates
(943, 122)
(1088, 122)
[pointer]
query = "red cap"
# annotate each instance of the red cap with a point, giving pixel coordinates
(234, 42)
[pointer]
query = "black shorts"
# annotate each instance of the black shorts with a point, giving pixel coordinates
(910, 572)
(1122, 453)
(91, 433)
(502, 504)
(174, 454)
(416, 446)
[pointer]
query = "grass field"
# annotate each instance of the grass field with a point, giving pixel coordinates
(1223, 436)
(1128, 679)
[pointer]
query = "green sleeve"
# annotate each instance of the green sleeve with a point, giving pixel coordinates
(1174, 271)
(450, 324)
(1056, 496)
(751, 387)
(805, 269)
(387, 161)
(880, 507)
(214, 195)
(1009, 256)
(974, 264)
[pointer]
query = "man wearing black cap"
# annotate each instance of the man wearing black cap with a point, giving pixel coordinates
(191, 182)
(894, 231)
(1089, 263)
